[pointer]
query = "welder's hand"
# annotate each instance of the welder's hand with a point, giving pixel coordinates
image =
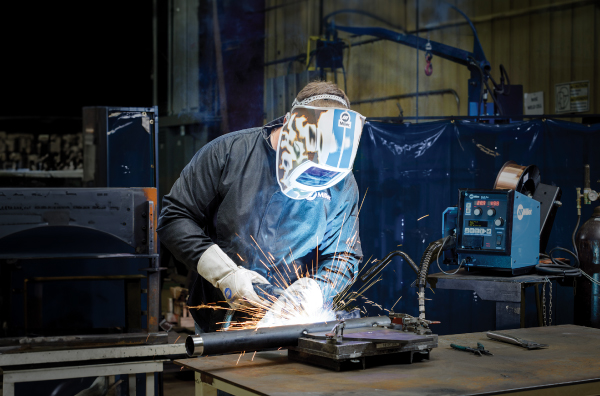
(302, 302)
(327, 291)
(267, 292)
(236, 283)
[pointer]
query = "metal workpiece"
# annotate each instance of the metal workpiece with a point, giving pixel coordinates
(363, 347)
(83, 341)
(268, 337)
(194, 346)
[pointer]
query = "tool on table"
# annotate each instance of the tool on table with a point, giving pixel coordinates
(479, 351)
(515, 340)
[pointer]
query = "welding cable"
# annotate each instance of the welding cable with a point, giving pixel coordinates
(376, 268)
(485, 83)
(559, 267)
(426, 259)
(430, 250)
(506, 86)
(437, 260)
(474, 63)
(500, 111)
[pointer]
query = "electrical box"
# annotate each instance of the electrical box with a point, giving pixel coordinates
(497, 229)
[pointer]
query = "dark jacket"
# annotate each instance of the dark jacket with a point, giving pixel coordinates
(228, 194)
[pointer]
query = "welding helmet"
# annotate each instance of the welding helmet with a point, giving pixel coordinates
(316, 149)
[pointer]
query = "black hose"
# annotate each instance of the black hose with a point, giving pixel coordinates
(500, 111)
(559, 267)
(379, 266)
(431, 252)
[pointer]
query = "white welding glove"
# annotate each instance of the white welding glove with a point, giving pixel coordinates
(235, 282)
(300, 303)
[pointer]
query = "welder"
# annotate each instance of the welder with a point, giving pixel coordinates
(258, 209)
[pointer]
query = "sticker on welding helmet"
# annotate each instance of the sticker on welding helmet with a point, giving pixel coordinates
(344, 121)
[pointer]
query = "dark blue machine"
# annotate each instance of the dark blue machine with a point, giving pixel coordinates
(497, 229)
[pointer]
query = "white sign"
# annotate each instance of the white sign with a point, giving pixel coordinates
(572, 97)
(534, 103)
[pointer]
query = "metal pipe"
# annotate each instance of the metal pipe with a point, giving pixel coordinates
(268, 337)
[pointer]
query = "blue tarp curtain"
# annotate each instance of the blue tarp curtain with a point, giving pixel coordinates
(409, 171)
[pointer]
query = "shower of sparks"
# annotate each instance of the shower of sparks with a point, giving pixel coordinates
(395, 303)
(422, 217)
(288, 271)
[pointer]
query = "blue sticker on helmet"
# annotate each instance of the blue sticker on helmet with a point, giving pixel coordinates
(228, 293)
(343, 131)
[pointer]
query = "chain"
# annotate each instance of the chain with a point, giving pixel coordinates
(550, 313)
(544, 301)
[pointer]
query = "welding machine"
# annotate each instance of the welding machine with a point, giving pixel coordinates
(495, 229)
(504, 228)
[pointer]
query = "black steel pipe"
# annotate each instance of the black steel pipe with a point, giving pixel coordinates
(268, 337)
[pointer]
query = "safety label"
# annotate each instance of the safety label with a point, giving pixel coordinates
(572, 97)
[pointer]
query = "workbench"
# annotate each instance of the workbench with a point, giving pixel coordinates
(88, 362)
(571, 365)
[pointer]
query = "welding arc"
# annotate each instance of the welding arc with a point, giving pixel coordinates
(377, 267)
(267, 337)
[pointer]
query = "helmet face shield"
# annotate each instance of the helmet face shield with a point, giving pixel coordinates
(316, 149)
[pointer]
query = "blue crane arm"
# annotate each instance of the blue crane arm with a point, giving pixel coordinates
(442, 50)
(453, 54)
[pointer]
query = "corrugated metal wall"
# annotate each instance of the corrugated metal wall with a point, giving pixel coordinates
(540, 42)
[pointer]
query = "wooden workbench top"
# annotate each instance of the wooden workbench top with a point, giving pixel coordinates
(572, 359)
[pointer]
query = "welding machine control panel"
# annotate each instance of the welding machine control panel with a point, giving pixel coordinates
(483, 220)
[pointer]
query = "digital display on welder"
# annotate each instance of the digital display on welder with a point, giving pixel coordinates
(490, 203)
(478, 223)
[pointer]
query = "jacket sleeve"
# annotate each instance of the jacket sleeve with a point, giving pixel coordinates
(187, 210)
(340, 252)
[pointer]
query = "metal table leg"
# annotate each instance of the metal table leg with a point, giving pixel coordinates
(149, 384)
(132, 385)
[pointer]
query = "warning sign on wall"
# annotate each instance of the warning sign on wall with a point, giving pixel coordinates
(572, 97)
(534, 103)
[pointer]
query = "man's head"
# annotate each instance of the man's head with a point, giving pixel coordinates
(318, 141)
(316, 88)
